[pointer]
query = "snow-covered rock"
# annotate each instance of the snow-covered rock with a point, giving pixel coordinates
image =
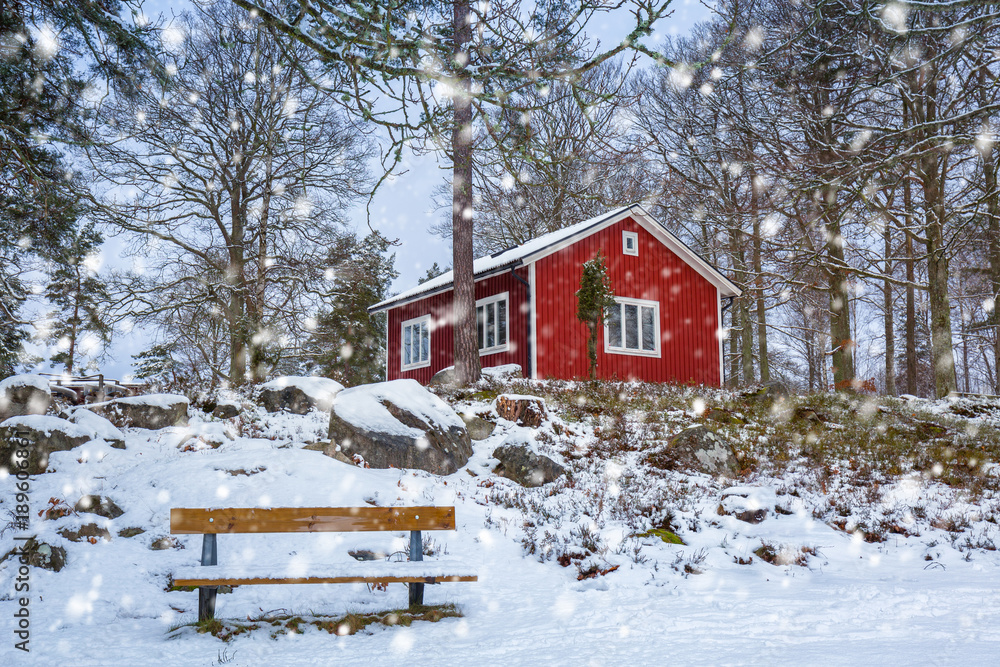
(503, 372)
(154, 411)
(38, 436)
(299, 395)
(101, 428)
(523, 465)
(399, 424)
(24, 395)
(751, 504)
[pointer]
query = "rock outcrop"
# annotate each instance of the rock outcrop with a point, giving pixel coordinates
(24, 395)
(527, 468)
(399, 424)
(299, 395)
(697, 449)
(154, 411)
(37, 436)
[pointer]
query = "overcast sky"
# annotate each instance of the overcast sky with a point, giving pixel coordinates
(403, 208)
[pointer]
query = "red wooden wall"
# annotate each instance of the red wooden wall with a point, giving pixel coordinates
(442, 329)
(689, 346)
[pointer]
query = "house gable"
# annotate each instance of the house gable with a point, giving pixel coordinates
(686, 305)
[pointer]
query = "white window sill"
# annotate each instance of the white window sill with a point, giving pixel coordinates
(632, 353)
(413, 367)
(493, 350)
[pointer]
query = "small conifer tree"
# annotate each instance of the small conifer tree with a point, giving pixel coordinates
(594, 298)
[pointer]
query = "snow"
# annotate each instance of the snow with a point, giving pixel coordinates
(363, 406)
(502, 372)
(910, 599)
(165, 401)
(322, 390)
(36, 381)
(96, 424)
(47, 424)
(350, 568)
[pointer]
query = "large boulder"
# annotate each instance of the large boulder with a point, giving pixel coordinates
(24, 395)
(526, 467)
(522, 410)
(299, 395)
(697, 449)
(445, 378)
(37, 436)
(399, 424)
(153, 411)
(99, 426)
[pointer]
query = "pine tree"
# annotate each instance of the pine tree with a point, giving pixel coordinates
(79, 297)
(348, 344)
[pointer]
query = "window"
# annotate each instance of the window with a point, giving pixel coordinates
(630, 243)
(417, 343)
(491, 324)
(633, 327)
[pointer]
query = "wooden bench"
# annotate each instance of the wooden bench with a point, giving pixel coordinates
(416, 572)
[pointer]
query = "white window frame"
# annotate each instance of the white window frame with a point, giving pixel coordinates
(423, 319)
(641, 303)
(634, 236)
(490, 300)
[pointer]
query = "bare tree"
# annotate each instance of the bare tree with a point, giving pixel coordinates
(230, 178)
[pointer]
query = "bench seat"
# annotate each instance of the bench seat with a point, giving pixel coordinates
(382, 572)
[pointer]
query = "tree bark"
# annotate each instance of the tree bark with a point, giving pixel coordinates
(765, 369)
(467, 368)
(890, 335)
(235, 279)
(942, 351)
(992, 202)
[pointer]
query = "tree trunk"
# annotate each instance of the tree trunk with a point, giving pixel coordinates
(734, 352)
(890, 335)
(992, 197)
(840, 313)
(235, 279)
(765, 369)
(467, 368)
(746, 334)
(942, 353)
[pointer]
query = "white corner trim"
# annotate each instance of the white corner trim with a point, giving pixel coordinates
(719, 333)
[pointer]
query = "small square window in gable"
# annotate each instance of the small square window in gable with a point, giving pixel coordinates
(630, 243)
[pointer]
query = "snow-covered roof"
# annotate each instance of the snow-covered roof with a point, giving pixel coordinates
(521, 254)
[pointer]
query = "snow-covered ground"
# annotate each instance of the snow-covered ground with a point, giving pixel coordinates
(925, 595)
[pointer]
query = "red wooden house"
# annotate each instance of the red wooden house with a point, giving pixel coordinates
(666, 327)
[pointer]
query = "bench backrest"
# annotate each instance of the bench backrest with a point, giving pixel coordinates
(199, 521)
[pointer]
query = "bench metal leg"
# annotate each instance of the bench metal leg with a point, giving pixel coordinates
(206, 594)
(416, 553)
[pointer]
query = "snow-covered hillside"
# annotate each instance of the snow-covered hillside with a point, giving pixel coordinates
(876, 539)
